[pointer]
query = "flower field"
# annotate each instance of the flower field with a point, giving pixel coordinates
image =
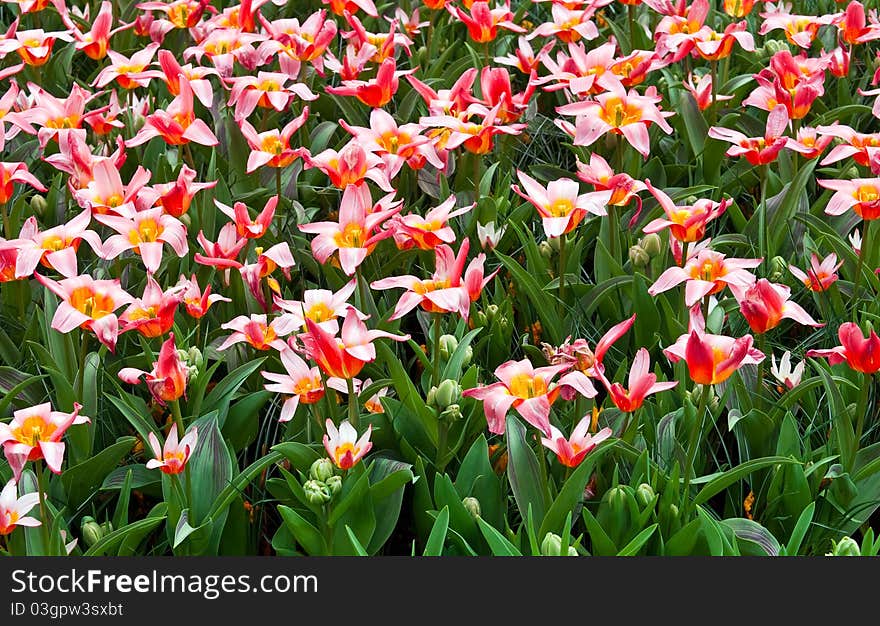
(439, 277)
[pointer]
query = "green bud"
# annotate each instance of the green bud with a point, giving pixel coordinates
(773, 46)
(448, 392)
(844, 489)
(480, 320)
(645, 495)
(852, 172)
(91, 530)
(195, 357)
(39, 205)
(186, 219)
(451, 413)
(546, 250)
(422, 56)
(317, 492)
(473, 506)
(431, 399)
(554, 243)
(638, 257)
(552, 546)
(491, 312)
(652, 244)
(778, 268)
(468, 355)
(334, 484)
(615, 513)
(448, 344)
(107, 527)
(321, 470)
(846, 547)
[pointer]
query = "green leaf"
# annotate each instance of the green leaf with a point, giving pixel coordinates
(538, 298)
(452, 371)
(434, 545)
(717, 485)
(800, 530)
(300, 455)
(219, 397)
(753, 534)
(113, 539)
(523, 472)
(211, 468)
(633, 547)
(499, 545)
(840, 419)
(408, 393)
(358, 548)
(304, 532)
(82, 481)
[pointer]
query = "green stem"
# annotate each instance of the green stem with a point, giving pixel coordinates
(864, 250)
(7, 226)
(762, 346)
(278, 183)
(362, 289)
(83, 355)
(353, 412)
(693, 444)
(44, 509)
(562, 239)
(477, 162)
(435, 353)
(613, 232)
(442, 444)
(862, 409)
(713, 69)
(631, 16)
(762, 236)
(178, 417)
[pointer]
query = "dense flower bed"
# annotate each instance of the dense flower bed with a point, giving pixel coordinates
(439, 277)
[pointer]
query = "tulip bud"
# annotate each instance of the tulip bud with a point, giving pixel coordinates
(186, 220)
(552, 546)
(334, 484)
(778, 268)
(774, 45)
(645, 495)
(479, 319)
(195, 358)
(91, 530)
(448, 344)
(448, 392)
(321, 470)
(638, 257)
(451, 413)
(468, 355)
(615, 513)
(545, 249)
(317, 492)
(844, 489)
(652, 244)
(473, 506)
(846, 547)
(852, 172)
(39, 205)
(491, 312)
(691, 200)
(839, 62)
(422, 56)
(431, 398)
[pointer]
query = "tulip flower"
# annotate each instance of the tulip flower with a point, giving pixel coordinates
(642, 383)
(35, 433)
(106, 194)
(821, 274)
(244, 225)
(385, 43)
(376, 92)
(838, 62)
(687, 223)
(144, 232)
(757, 150)
(855, 240)
(711, 359)
(104, 122)
(529, 390)
(178, 124)
(490, 234)
(88, 304)
(446, 291)
(560, 205)
(195, 300)
(853, 26)
(33, 46)
(497, 91)
(196, 77)
(628, 114)
(677, 31)
(299, 384)
(350, 166)
(322, 306)
(173, 457)
(95, 43)
(862, 147)
(452, 101)
(394, 144)
(8, 261)
(784, 373)
(345, 356)
(809, 142)
(53, 115)
(176, 197)
(179, 14)
(268, 261)
(861, 353)
(578, 354)
(153, 314)
(800, 30)
(524, 58)
(862, 195)
(354, 236)
(257, 331)
(738, 8)
(573, 450)
(623, 187)
(702, 91)
(430, 231)
(168, 378)
(14, 509)
(129, 72)
(343, 445)
(306, 42)
(567, 25)
(272, 147)
(224, 252)
(225, 47)
(54, 248)
(266, 90)
(483, 23)
(476, 136)
(713, 46)
(765, 304)
(706, 273)
(12, 173)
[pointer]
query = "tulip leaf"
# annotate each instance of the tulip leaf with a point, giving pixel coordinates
(550, 322)
(719, 484)
(452, 371)
(300, 455)
(434, 545)
(359, 550)
(407, 391)
(757, 540)
(523, 471)
(113, 539)
(499, 545)
(304, 532)
(220, 396)
(82, 481)
(633, 547)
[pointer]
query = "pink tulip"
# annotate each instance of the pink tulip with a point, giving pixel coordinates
(224, 252)
(273, 147)
(175, 197)
(168, 378)
(765, 304)
(299, 384)
(177, 124)
(55, 247)
(757, 150)
(430, 231)
(322, 306)
(642, 383)
(687, 223)
(560, 204)
(821, 274)
(266, 90)
(35, 433)
(195, 300)
(152, 315)
(14, 509)
(129, 72)
(257, 331)
(12, 173)
(173, 457)
(706, 273)
(343, 446)
(350, 166)
(106, 193)
(144, 232)
(573, 450)
(244, 225)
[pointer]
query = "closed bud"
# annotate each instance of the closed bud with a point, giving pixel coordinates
(91, 530)
(645, 495)
(39, 205)
(852, 172)
(778, 268)
(431, 399)
(638, 257)
(448, 392)
(552, 546)
(321, 470)
(317, 492)
(422, 56)
(479, 319)
(545, 249)
(468, 355)
(334, 484)
(473, 506)
(491, 312)
(194, 357)
(652, 244)
(774, 45)
(448, 344)
(846, 547)
(451, 413)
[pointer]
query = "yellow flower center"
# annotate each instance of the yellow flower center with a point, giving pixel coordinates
(352, 236)
(618, 113)
(147, 231)
(272, 144)
(341, 450)
(88, 302)
(560, 207)
(33, 430)
(867, 193)
(525, 386)
(319, 312)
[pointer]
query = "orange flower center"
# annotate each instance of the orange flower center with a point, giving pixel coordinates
(617, 113)
(272, 144)
(88, 302)
(319, 312)
(525, 386)
(147, 231)
(33, 430)
(352, 236)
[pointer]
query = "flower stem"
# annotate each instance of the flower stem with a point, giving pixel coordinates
(864, 250)
(862, 409)
(83, 355)
(7, 226)
(693, 444)
(278, 183)
(713, 69)
(353, 412)
(178, 417)
(762, 236)
(435, 354)
(44, 509)
(562, 239)
(631, 16)
(762, 346)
